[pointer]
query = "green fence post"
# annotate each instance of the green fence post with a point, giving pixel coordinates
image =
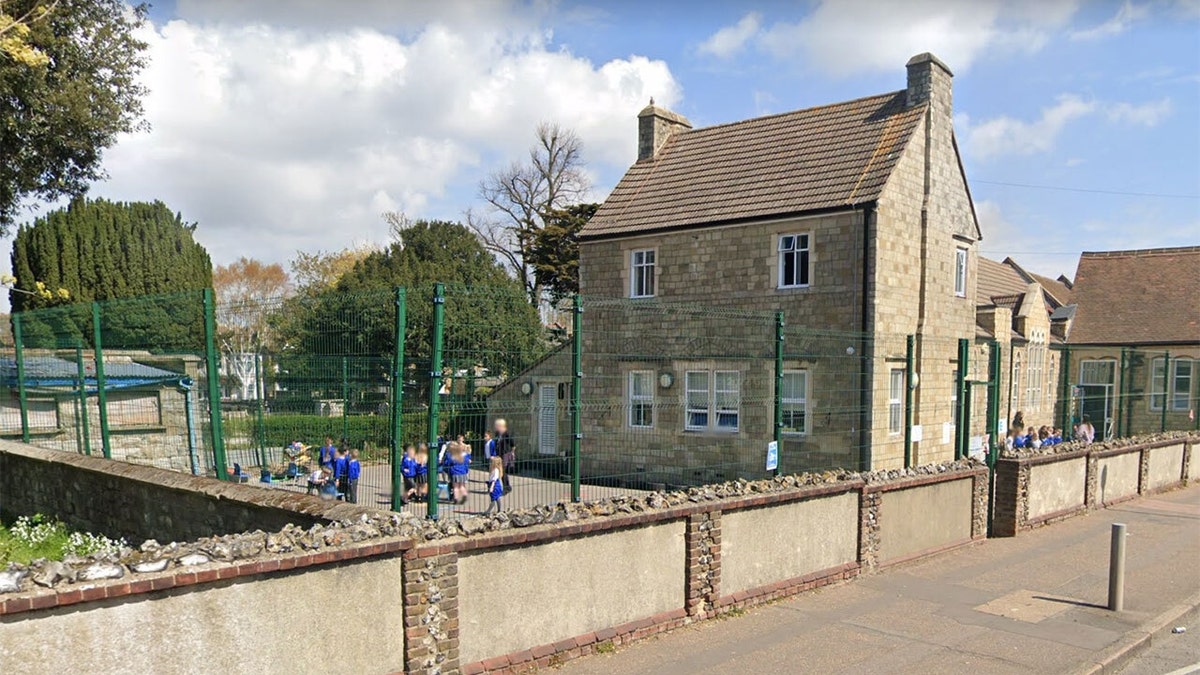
(1166, 398)
(910, 342)
(346, 401)
(435, 387)
(993, 404)
(264, 473)
(20, 358)
(397, 448)
(1119, 412)
(84, 427)
(576, 398)
(101, 382)
(213, 372)
(1065, 390)
(963, 433)
(777, 434)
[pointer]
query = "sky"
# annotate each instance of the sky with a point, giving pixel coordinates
(293, 125)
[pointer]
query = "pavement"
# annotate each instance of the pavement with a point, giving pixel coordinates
(1030, 604)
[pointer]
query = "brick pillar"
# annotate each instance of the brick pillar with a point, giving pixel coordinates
(979, 506)
(1010, 500)
(1091, 484)
(431, 614)
(703, 582)
(868, 528)
(1144, 471)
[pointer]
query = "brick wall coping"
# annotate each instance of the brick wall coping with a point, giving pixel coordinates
(918, 481)
(286, 500)
(184, 577)
(1097, 450)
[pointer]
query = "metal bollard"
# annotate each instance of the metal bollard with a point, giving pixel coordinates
(1116, 569)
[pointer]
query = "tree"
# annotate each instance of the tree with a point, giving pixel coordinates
(321, 270)
(108, 251)
(68, 88)
(489, 322)
(522, 197)
(247, 291)
(554, 250)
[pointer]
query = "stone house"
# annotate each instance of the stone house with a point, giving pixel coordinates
(1134, 343)
(1028, 315)
(852, 218)
(147, 406)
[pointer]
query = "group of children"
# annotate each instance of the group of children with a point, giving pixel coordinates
(337, 472)
(1035, 437)
(453, 460)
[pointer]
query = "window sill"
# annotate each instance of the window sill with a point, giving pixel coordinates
(712, 432)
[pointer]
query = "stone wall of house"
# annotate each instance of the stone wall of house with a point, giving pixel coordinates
(1131, 409)
(120, 499)
(520, 410)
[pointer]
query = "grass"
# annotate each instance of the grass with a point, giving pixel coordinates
(28, 539)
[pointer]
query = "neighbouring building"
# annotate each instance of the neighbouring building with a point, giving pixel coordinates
(853, 218)
(148, 412)
(1134, 343)
(1028, 315)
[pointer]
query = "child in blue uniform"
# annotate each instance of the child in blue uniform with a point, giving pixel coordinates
(459, 469)
(421, 474)
(408, 468)
(496, 484)
(353, 471)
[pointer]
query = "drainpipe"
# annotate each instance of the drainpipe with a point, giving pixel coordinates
(864, 368)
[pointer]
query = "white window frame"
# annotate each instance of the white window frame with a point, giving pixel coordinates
(705, 391)
(788, 245)
(1034, 372)
(954, 397)
(961, 256)
(725, 411)
(642, 403)
(895, 401)
(716, 415)
(796, 403)
(1181, 400)
(644, 271)
(1093, 363)
(1164, 389)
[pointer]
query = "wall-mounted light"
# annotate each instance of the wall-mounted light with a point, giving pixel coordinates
(526, 388)
(915, 381)
(665, 380)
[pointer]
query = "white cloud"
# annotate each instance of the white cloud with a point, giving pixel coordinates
(1049, 253)
(844, 37)
(277, 138)
(1120, 22)
(731, 39)
(1147, 114)
(1008, 136)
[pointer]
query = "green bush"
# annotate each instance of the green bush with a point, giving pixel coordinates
(28, 539)
(362, 431)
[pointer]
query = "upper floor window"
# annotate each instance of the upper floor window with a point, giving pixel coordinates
(641, 273)
(1035, 370)
(795, 402)
(960, 272)
(793, 260)
(1177, 388)
(712, 400)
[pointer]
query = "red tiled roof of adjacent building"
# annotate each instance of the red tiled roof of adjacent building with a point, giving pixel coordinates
(1150, 296)
(820, 158)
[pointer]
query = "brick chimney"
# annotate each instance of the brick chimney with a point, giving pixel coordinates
(930, 80)
(655, 126)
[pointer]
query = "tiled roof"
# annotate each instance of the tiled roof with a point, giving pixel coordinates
(1150, 296)
(997, 280)
(1055, 287)
(819, 158)
(53, 371)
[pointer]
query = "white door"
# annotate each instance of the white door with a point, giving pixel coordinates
(547, 419)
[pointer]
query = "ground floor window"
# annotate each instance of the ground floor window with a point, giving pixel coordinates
(712, 400)
(641, 399)
(795, 402)
(896, 401)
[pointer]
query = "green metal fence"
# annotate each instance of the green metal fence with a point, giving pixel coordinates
(599, 396)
